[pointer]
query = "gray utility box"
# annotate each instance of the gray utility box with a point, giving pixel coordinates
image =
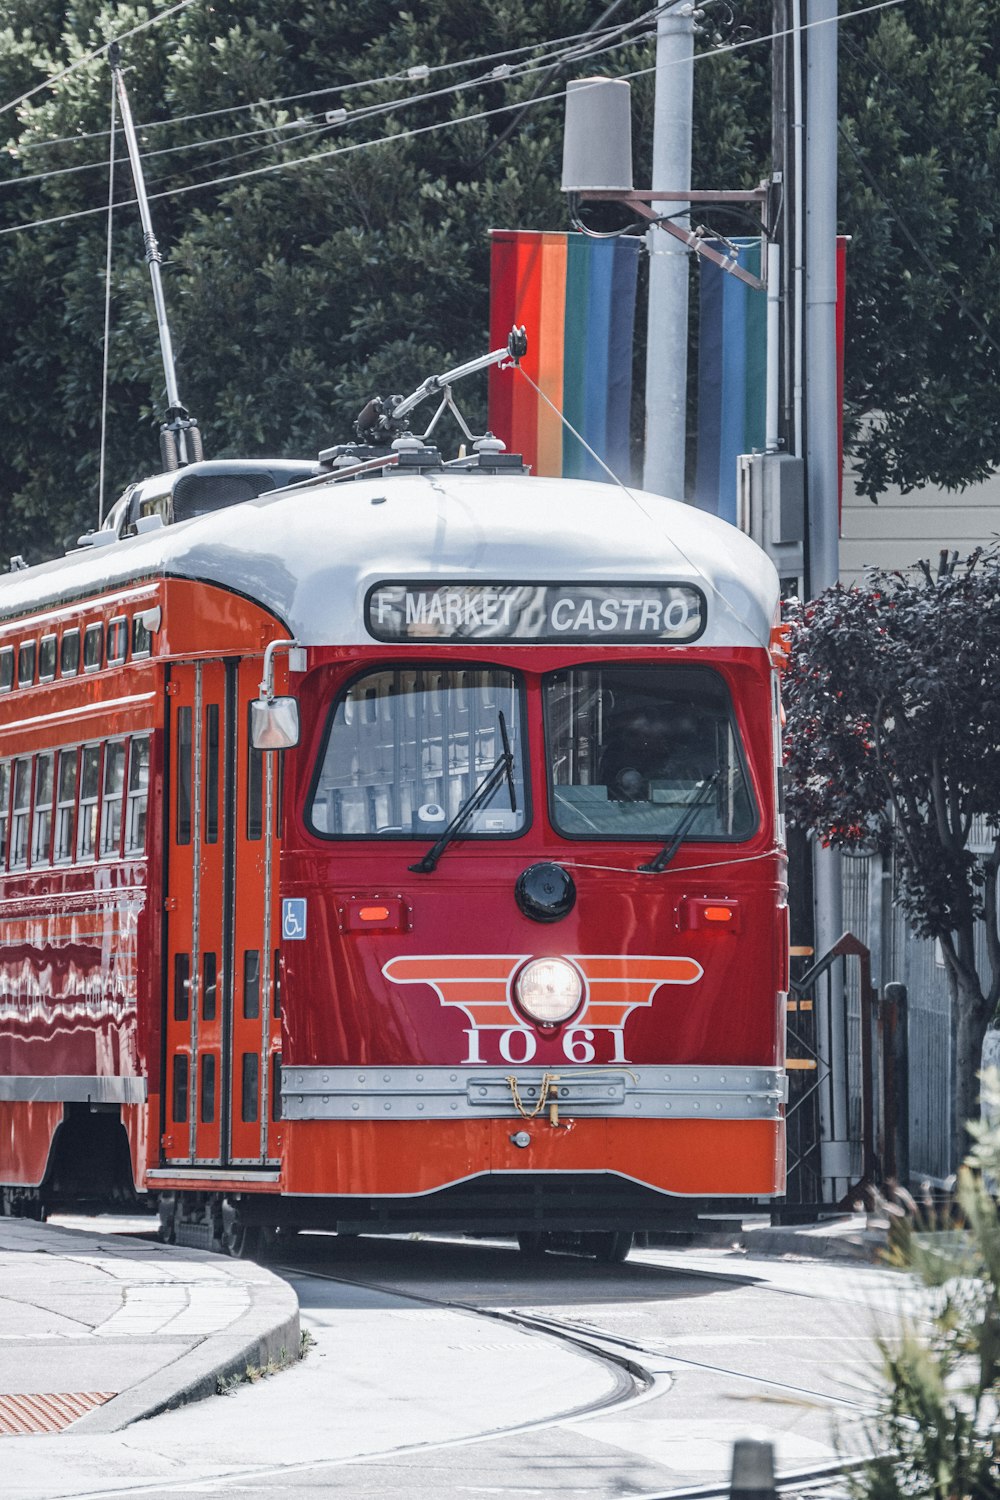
(771, 501)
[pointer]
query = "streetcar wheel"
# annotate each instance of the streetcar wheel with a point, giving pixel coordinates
(237, 1238)
(532, 1242)
(608, 1247)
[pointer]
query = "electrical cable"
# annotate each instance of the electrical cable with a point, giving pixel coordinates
(404, 135)
(338, 88)
(97, 52)
(727, 603)
(306, 126)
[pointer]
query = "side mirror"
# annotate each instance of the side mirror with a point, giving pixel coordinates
(274, 723)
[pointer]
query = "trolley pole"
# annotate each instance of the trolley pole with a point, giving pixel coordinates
(667, 322)
(179, 428)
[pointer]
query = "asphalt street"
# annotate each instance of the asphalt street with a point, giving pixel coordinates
(464, 1370)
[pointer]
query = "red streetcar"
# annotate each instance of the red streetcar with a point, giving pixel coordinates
(398, 848)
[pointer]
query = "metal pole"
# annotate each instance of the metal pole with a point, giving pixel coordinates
(823, 458)
(819, 372)
(153, 257)
(667, 323)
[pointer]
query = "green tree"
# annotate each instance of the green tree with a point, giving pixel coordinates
(919, 163)
(893, 739)
(292, 295)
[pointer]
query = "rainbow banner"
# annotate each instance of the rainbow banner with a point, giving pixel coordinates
(575, 297)
(732, 377)
(732, 373)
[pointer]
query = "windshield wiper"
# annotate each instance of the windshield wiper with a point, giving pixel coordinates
(502, 769)
(698, 801)
(508, 761)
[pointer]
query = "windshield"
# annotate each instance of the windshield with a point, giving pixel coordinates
(406, 748)
(629, 748)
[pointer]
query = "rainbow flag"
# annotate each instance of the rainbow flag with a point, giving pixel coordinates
(732, 377)
(732, 373)
(575, 297)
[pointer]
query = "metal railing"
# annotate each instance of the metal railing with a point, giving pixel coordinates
(847, 1107)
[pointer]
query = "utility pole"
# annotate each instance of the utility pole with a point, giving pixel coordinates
(667, 323)
(823, 491)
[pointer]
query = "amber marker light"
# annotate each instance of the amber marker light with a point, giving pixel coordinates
(373, 913)
(717, 913)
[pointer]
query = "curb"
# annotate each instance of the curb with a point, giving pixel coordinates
(196, 1374)
(847, 1239)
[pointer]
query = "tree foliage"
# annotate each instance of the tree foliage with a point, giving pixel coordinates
(919, 161)
(893, 741)
(294, 294)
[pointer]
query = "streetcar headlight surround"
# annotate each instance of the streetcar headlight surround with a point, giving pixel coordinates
(549, 990)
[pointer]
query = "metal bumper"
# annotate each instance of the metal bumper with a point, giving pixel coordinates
(674, 1093)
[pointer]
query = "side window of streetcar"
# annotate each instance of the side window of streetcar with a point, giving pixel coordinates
(114, 792)
(6, 669)
(251, 984)
(179, 1102)
(211, 773)
(26, 663)
(209, 986)
(117, 641)
(255, 787)
(47, 658)
(19, 816)
(65, 806)
(250, 1087)
(4, 807)
(275, 1085)
(142, 640)
(90, 794)
(182, 986)
(93, 643)
(206, 1107)
(183, 830)
(41, 826)
(69, 653)
(138, 796)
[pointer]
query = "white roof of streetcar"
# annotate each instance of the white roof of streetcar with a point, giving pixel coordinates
(310, 555)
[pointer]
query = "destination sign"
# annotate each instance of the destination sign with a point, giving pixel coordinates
(539, 612)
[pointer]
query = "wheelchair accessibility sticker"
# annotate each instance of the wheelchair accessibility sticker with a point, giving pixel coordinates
(293, 918)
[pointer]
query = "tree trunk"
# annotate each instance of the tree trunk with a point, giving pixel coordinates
(969, 1022)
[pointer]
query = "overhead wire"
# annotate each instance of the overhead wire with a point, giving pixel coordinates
(97, 52)
(398, 137)
(308, 126)
(343, 88)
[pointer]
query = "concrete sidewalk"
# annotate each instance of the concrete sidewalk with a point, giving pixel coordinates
(99, 1331)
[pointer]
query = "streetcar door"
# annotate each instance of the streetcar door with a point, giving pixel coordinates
(220, 1023)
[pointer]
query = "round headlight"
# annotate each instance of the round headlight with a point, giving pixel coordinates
(548, 990)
